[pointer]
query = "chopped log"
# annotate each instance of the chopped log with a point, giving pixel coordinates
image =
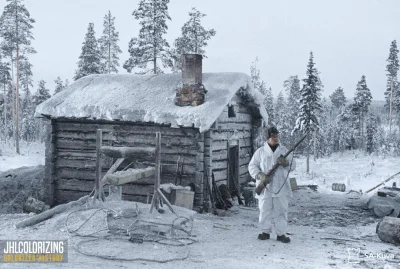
(388, 230)
(127, 152)
(49, 213)
(130, 175)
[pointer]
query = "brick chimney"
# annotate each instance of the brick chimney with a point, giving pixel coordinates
(192, 92)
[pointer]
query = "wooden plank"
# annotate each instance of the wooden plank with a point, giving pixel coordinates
(130, 175)
(219, 145)
(127, 152)
(220, 174)
(98, 187)
(220, 155)
(49, 162)
(220, 164)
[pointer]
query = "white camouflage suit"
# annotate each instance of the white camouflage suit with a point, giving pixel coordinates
(273, 201)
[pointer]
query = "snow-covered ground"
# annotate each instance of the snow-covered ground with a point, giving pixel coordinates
(324, 226)
(32, 154)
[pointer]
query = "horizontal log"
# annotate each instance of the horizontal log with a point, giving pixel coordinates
(130, 128)
(64, 196)
(80, 163)
(235, 126)
(127, 152)
(227, 135)
(84, 135)
(220, 174)
(76, 154)
(220, 155)
(219, 145)
(87, 186)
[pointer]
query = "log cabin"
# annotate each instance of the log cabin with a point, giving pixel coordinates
(209, 123)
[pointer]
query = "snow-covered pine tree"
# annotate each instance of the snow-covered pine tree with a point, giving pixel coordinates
(28, 119)
(371, 129)
(268, 102)
(292, 89)
(59, 85)
(392, 68)
(338, 99)
(15, 29)
(344, 129)
(150, 46)
(89, 60)
(281, 119)
(109, 48)
(41, 95)
(362, 101)
(255, 75)
(193, 40)
(310, 103)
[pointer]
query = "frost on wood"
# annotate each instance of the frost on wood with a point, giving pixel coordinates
(147, 98)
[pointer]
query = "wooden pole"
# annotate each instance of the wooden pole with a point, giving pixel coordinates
(98, 187)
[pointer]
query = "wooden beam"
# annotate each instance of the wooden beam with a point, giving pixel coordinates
(130, 176)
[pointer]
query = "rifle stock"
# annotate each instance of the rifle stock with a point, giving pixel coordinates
(260, 187)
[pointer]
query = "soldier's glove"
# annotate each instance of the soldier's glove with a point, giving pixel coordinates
(282, 161)
(263, 178)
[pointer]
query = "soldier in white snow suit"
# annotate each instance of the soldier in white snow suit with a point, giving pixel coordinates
(273, 201)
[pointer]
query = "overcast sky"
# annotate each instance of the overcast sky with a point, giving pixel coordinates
(349, 38)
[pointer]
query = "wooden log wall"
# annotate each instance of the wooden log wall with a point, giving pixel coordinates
(75, 156)
(230, 129)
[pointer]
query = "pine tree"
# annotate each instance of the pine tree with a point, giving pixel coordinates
(15, 29)
(362, 100)
(392, 68)
(194, 38)
(371, 133)
(150, 46)
(89, 60)
(255, 75)
(109, 48)
(344, 130)
(292, 89)
(269, 102)
(59, 85)
(338, 99)
(42, 94)
(310, 103)
(28, 119)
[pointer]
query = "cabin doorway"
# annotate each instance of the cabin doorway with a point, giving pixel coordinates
(233, 167)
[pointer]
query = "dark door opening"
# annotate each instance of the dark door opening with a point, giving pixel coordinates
(233, 169)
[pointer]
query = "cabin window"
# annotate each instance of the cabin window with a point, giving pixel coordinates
(231, 111)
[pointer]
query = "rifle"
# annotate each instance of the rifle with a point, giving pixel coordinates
(270, 173)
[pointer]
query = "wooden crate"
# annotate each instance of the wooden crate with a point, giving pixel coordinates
(183, 198)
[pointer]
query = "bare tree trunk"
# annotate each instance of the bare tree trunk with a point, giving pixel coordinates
(308, 160)
(390, 106)
(315, 144)
(12, 97)
(5, 112)
(17, 107)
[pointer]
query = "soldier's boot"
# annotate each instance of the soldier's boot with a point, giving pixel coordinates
(263, 236)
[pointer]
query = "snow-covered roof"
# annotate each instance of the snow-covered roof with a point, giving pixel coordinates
(147, 98)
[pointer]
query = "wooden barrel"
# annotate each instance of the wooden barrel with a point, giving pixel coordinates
(388, 230)
(339, 187)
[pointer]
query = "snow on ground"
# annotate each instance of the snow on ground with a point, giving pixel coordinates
(324, 226)
(356, 169)
(32, 154)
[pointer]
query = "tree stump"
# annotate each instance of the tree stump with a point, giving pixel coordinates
(388, 230)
